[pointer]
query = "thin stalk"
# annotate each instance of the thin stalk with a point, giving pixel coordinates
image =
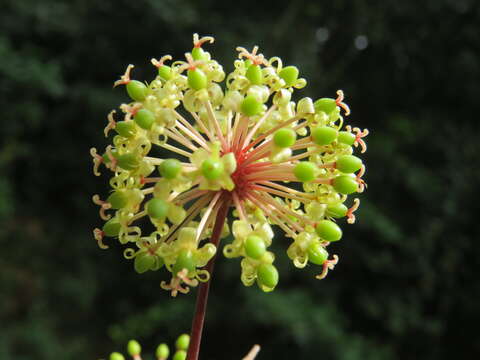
(202, 296)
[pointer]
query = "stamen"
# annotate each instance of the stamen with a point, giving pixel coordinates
(175, 285)
(125, 78)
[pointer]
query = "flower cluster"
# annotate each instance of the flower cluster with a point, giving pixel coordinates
(246, 146)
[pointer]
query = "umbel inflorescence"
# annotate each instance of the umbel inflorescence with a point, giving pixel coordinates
(246, 147)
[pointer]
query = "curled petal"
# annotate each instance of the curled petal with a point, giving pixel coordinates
(97, 160)
(103, 206)
(98, 235)
(175, 285)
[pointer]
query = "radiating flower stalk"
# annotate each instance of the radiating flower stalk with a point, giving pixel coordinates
(245, 147)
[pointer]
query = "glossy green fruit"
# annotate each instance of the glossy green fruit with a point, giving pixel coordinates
(182, 342)
(162, 352)
(143, 262)
(116, 356)
(212, 169)
(305, 171)
(111, 227)
(254, 74)
(251, 106)
(317, 253)
(165, 72)
(337, 211)
(197, 79)
(157, 208)
(180, 355)
(185, 260)
(133, 348)
(255, 247)
(345, 184)
(346, 137)
(128, 161)
(170, 168)
(125, 129)
(198, 54)
(267, 275)
(284, 138)
(326, 105)
(144, 118)
(289, 74)
(348, 164)
(137, 90)
(324, 135)
(328, 230)
(117, 199)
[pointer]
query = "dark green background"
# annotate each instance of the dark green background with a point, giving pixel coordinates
(406, 286)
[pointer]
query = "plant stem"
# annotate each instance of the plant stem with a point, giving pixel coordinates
(202, 296)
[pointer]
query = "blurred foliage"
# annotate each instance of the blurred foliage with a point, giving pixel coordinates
(406, 286)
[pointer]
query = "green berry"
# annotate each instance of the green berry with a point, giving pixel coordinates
(328, 230)
(289, 74)
(284, 138)
(267, 275)
(137, 90)
(144, 118)
(111, 227)
(158, 263)
(125, 128)
(323, 135)
(106, 158)
(162, 351)
(337, 211)
(128, 161)
(182, 342)
(348, 164)
(197, 79)
(345, 184)
(117, 199)
(247, 63)
(157, 208)
(254, 74)
(170, 168)
(317, 253)
(346, 137)
(326, 105)
(143, 262)
(251, 106)
(305, 171)
(185, 260)
(255, 247)
(198, 54)
(133, 348)
(116, 356)
(180, 355)
(165, 72)
(212, 169)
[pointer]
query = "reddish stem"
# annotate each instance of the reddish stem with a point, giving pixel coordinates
(202, 296)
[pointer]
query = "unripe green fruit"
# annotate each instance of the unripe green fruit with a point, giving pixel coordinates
(182, 342)
(337, 210)
(133, 348)
(212, 169)
(143, 262)
(144, 118)
(162, 351)
(348, 163)
(198, 54)
(185, 260)
(157, 208)
(125, 129)
(284, 138)
(254, 74)
(305, 171)
(137, 90)
(251, 106)
(128, 161)
(111, 227)
(324, 135)
(248, 63)
(289, 74)
(180, 355)
(346, 137)
(165, 72)
(267, 275)
(328, 230)
(117, 199)
(106, 158)
(326, 105)
(345, 184)
(170, 168)
(317, 253)
(255, 247)
(116, 356)
(197, 79)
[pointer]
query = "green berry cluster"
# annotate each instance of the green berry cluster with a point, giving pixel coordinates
(161, 353)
